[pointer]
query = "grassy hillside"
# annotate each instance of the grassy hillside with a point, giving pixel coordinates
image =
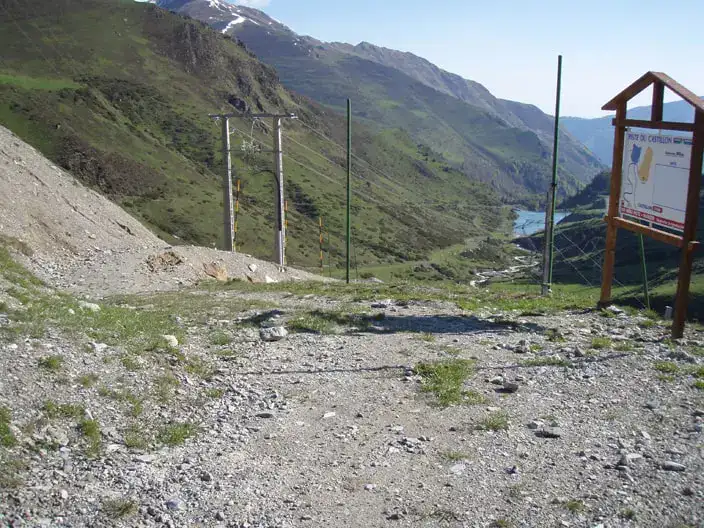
(119, 93)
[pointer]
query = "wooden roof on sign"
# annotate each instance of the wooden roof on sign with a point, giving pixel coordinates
(655, 77)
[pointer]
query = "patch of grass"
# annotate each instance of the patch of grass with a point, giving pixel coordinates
(52, 363)
(219, 338)
(442, 515)
(227, 353)
(119, 508)
(666, 367)
(450, 350)
(131, 363)
(649, 323)
(176, 433)
(37, 83)
(312, 323)
(628, 514)
(545, 362)
(535, 347)
(90, 429)
(454, 456)
(200, 368)
(666, 378)
(134, 330)
(554, 335)
(136, 439)
(599, 343)
(470, 397)
(124, 396)
(445, 379)
(216, 394)
(699, 384)
(651, 314)
(501, 523)
(623, 346)
(7, 439)
(164, 387)
(575, 506)
(63, 410)
(88, 380)
(11, 470)
(496, 421)
(427, 337)
(697, 372)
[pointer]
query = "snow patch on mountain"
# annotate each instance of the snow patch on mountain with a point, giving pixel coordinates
(240, 19)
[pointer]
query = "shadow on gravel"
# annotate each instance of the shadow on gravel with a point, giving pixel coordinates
(359, 370)
(449, 324)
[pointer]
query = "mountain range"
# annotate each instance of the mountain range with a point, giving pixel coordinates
(598, 133)
(119, 93)
(503, 143)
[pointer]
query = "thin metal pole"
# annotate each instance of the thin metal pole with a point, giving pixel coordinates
(555, 162)
(320, 236)
(280, 233)
(228, 232)
(550, 236)
(644, 271)
(237, 215)
(349, 184)
(546, 246)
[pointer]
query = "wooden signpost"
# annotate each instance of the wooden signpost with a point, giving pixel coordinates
(618, 208)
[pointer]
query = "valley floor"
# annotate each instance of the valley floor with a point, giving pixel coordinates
(370, 412)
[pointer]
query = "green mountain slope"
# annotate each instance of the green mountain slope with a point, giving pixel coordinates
(119, 93)
(488, 143)
(573, 156)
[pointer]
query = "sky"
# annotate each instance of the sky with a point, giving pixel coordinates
(511, 46)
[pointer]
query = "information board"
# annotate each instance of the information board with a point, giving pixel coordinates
(655, 179)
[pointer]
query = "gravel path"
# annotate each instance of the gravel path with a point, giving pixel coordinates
(332, 430)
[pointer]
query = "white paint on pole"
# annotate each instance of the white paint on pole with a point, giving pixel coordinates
(655, 179)
(279, 235)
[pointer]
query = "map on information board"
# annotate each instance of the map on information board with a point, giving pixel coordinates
(655, 179)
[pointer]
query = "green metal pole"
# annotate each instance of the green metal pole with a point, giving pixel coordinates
(644, 271)
(554, 167)
(349, 183)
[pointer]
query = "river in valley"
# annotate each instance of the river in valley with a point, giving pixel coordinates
(529, 222)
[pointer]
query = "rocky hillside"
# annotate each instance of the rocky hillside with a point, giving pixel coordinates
(75, 238)
(503, 143)
(119, 93)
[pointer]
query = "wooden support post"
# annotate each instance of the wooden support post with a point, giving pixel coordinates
(658, 100)
(690, 227)
(614, 205)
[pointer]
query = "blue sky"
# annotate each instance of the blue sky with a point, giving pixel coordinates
(511, 46)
